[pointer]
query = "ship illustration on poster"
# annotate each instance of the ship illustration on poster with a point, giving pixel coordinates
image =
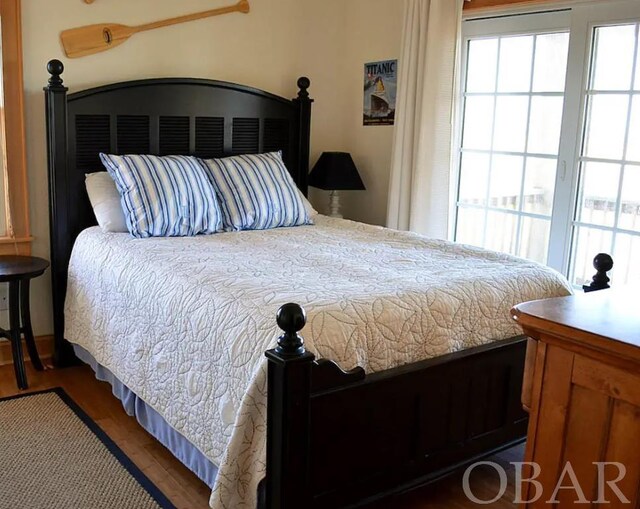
(380, 85)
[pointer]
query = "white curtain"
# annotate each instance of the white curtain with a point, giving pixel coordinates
(420, 165)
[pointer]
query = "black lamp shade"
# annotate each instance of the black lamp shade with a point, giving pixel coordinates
(336, 171)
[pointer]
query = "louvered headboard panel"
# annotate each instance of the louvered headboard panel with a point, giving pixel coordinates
(184, 116)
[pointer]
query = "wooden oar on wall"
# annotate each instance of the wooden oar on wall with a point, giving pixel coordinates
(78, 42)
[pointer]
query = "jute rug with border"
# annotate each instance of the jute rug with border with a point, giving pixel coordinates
(54, 456)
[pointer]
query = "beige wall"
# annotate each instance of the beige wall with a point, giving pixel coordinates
(374, 33)
(278, 41)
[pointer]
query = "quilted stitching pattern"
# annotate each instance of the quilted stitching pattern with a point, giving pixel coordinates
(184, 322)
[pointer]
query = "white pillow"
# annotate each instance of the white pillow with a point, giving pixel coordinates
(105, 200)
(307, 205)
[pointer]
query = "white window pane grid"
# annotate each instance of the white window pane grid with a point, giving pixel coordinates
(633, 147)
(514, 94)
(598, 193)
(625, 256)
(510, 123)
(534, 239)
(505, 182)
(607, 217)
(478, 122)
(481, 69)
(474, 178)
(472, 229)
(613, 57)
(606, 126)
(515, 68)
(637, 78)
(545, 124)
(629, 218)
(550, 62)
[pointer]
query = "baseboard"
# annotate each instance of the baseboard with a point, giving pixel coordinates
(44, 344)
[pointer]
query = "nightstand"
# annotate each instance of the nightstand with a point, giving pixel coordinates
(18, 272)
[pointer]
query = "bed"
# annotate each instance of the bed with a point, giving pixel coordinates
(410, 384)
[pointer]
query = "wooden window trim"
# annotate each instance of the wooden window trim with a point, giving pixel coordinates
(474, 5)
(18, 191)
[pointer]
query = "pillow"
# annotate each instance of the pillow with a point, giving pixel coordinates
(311, 212)
(105, 200)
(164, 196)
(256, 192)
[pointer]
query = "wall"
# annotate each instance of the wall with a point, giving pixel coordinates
(326, 40)
(374, 33)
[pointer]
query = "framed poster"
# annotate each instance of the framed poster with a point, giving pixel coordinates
(380, 85)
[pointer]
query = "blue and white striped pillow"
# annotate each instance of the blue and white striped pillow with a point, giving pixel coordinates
(165, 196)
(256, 192)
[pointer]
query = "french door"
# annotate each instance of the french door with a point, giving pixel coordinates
(548, 165)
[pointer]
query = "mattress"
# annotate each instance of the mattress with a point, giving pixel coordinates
(184, 322)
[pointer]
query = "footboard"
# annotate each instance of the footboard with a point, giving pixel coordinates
(339, 439)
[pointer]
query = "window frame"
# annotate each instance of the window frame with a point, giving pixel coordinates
(12, 75)
(585, 20)
(472, 7)
(580, 19)
(548, 21)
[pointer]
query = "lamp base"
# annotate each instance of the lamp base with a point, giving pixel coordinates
(334, 205)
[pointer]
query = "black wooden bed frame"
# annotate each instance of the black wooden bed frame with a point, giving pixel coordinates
(334, 439)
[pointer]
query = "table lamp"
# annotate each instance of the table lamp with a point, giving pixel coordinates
(335, 171)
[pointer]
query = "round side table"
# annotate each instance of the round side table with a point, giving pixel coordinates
(18, 272)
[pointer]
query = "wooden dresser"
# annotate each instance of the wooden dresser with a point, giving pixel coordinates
(582, 388)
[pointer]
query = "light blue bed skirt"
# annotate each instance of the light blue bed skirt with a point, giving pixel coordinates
(153, 422)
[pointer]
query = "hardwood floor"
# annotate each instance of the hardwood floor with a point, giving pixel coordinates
(187, 492)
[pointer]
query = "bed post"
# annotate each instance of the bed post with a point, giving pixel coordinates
(304, 132)
(603, 263)
(288, 402)
(55, 94)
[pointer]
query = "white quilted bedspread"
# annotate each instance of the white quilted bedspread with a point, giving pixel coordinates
(184, 322)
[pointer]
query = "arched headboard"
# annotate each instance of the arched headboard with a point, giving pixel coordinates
(182, 116)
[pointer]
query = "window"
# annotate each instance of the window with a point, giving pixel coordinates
(607, 216)
(549, 137)
(14, 210)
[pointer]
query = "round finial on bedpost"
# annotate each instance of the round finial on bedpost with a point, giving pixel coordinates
(603, 263)
(303, 84)
(291, 319)
(55, 68)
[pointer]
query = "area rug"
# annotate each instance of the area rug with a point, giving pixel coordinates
(54, 456)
